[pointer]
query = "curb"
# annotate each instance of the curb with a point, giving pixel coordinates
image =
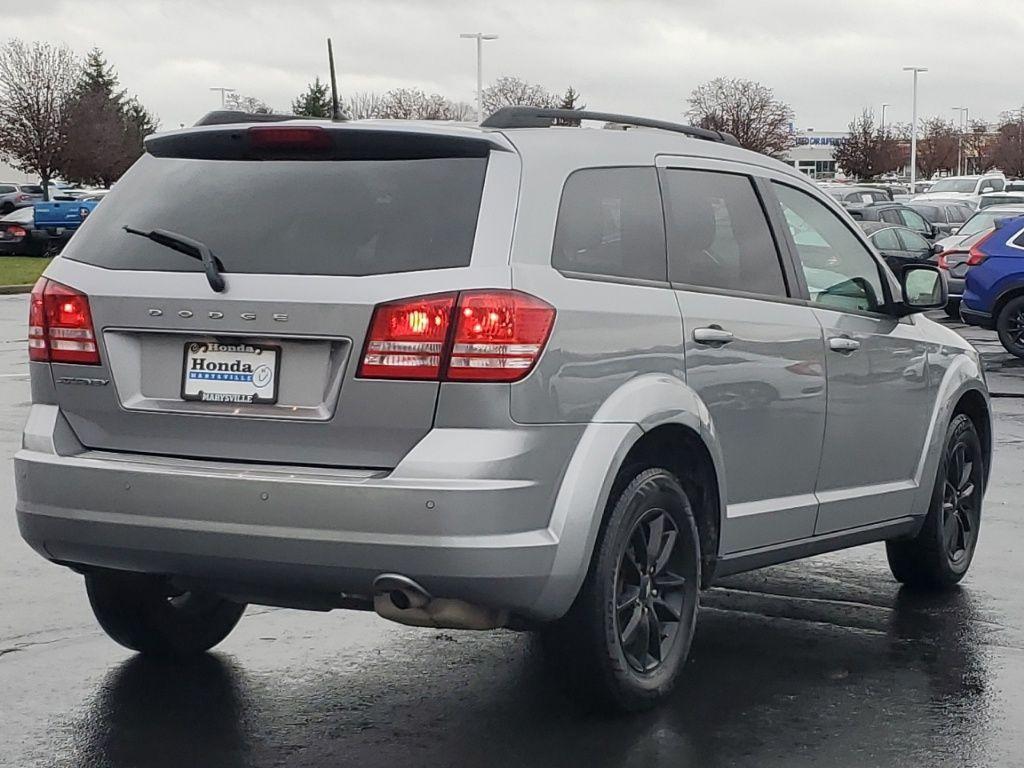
(9, 289)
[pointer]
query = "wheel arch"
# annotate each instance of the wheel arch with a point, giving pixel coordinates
(656, 420)
(1004, 298)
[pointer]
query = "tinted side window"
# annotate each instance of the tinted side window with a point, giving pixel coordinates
(997, 185)
(890, 216)
(913, 220)
(6, 189)
(886, 240)
(840, 272)
(718, 236)
(610, 222)
(914, 242)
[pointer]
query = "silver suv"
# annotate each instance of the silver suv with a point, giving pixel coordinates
(527, 375)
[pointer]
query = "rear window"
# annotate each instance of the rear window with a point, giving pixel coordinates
(32, 189)
(350, 217)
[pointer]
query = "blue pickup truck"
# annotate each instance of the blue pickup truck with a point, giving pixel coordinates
(62, 215)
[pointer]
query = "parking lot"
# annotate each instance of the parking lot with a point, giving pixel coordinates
(821, 662)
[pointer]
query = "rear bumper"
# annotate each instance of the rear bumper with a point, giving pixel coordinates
(976, 317)
(308, 537)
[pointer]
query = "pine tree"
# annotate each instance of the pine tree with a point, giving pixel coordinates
(314, 102)
(98, 77)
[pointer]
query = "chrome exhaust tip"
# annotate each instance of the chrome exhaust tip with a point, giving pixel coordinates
(401, 599)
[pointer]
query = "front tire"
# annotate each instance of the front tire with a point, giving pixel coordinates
(940, 555)
(627, 635)
(1010, 326)
(145, 614)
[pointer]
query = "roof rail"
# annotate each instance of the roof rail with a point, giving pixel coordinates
(229, 116)
(539, 117)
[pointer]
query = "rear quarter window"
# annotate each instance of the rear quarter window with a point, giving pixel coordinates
(610, 223)
(346, 217)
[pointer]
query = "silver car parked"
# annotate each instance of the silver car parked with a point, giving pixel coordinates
(527, 375)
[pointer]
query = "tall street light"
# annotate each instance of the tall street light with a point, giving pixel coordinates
(913, 130)
(479, 37)
(964, 111)
(882, 126)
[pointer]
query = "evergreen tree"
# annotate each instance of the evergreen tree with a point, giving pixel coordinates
(314, 102)
(98, 77)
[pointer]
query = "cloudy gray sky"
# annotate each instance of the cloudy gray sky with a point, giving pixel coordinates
(827, 58)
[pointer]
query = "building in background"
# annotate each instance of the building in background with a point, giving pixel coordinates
(814, 153)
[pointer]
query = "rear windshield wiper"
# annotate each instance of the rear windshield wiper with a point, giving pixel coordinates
(192, 248)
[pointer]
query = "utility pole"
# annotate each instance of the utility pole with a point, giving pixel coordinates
(960, 140)
(479, 37)
(223, 95)
(913, 131)
(881, 126)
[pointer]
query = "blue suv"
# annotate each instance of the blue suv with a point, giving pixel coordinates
(994, 289)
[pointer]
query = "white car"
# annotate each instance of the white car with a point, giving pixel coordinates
(979, 222)
(970, 187)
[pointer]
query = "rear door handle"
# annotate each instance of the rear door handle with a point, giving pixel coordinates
(712, 335)
(843, 344)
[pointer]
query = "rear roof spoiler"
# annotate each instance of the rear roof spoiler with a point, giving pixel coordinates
(231, 117)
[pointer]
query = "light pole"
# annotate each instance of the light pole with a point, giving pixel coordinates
(479, 37)
(960, 139)
(223, 95)
(913, 130)
(881, 127)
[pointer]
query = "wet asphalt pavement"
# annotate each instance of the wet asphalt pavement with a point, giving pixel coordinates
(824, 662)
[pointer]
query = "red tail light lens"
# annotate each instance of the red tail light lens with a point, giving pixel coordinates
(975, 254)
(942, 262)
(485, 335)
(60, 325)
(407, 338)
(16, 231)
(499, 335)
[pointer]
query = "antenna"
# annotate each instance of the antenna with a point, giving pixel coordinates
(335, 113)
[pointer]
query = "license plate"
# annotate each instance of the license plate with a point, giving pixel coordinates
(230, 373)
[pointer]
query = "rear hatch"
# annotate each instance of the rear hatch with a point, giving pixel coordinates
(311, 238)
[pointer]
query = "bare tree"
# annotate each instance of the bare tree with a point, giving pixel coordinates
(936, 146)
(414, 104)
(36, 84)
(746, 109)
(869, 151)
(514, 92)
(249, 104)
(1007, 148)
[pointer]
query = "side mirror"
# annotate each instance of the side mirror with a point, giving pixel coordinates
(954, 230)
(923, 289)
(937, 249)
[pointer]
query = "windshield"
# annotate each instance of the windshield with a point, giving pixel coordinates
(979, 222)
(353, 217)
(954, 185)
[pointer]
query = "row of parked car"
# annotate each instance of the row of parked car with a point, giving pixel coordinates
(32, 226)
(957, 224)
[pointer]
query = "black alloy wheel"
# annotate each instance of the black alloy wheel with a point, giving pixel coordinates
(650, 593)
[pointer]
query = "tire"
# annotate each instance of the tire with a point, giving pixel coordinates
(1010, 326)
(952, 309)
(941, 553)
(145, 614)
(608, 654)
(6, 208)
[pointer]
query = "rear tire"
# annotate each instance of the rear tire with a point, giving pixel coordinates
(145, 614)
(941, 553)
(627, 635)
(6, 208)
(1010, 326)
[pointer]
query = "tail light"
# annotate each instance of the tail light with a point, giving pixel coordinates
(16, 231)
(481, 335)
(975, 254)
(288, 140)
(60, 328)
